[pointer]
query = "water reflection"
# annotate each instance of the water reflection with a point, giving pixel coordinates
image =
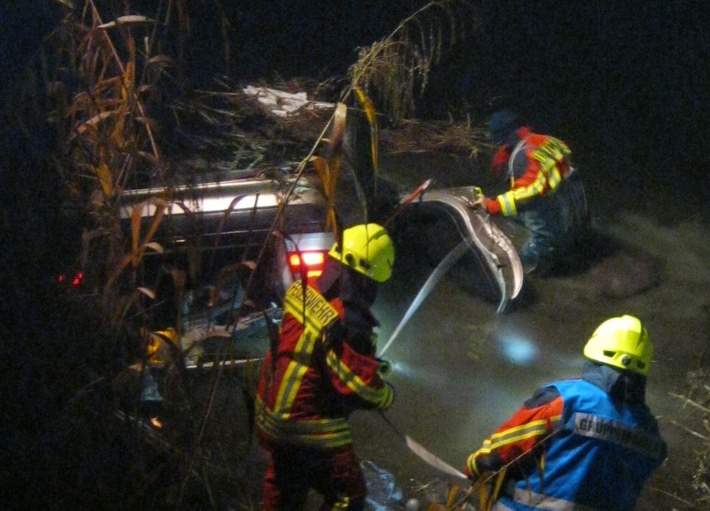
(518, 350)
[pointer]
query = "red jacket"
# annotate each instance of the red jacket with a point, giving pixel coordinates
(517, 436)
(535, 167)
(309, 386)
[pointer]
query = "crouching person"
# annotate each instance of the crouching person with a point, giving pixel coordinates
(587, 443)
(323, 368)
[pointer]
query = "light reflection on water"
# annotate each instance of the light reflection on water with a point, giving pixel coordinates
(518, 350)
(461, 369)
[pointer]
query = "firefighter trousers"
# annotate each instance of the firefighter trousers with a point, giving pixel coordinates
(293, 471)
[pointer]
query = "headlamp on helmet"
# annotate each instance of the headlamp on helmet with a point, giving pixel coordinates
(367, 249)
(621, 342)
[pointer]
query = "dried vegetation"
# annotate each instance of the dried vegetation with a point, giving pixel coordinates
(123, 120)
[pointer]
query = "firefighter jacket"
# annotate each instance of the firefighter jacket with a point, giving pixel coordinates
(535, 167)
(313, 379)
(572, 447)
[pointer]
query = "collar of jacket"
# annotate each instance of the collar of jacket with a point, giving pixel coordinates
(620, 385)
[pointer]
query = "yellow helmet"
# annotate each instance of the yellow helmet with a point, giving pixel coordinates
(155, 343)
(366, 248)
(621, 342)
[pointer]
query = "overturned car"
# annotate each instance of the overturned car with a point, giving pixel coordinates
(243, 236)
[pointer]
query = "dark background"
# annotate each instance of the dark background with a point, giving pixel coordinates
(624, 80)
(624, 83)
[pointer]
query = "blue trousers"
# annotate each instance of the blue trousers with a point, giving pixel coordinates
(555, 222)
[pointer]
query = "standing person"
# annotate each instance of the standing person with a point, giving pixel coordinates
(587, 443)
(546, 193)
(323, 368)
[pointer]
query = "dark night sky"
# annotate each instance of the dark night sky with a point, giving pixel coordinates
(623, 81)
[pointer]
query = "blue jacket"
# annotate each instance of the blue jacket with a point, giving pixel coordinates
(601, 459)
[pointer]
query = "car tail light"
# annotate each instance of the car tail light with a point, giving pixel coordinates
(74, 281)
(311, 262)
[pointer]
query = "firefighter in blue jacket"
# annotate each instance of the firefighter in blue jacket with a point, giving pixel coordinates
(588, 443)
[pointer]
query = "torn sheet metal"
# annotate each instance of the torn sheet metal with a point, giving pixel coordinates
(498, 260)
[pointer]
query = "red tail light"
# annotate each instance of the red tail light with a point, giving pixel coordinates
(74, 281)
(310, 262)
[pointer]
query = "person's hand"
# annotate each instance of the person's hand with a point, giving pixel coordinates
(385, 367)
(479, 203)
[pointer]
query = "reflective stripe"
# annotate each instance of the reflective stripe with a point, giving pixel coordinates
(314, 312)
(512, 435)
(507, 204)
(290, 384)
(324, 433)
(538, 501)
(343, 503)
(594, 426)
(552, 152)
(381, 397)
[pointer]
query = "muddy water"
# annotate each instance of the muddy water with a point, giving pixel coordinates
(460, 369)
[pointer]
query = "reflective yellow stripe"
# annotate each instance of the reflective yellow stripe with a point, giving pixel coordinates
(314, 313)
(343, 503)
(381, 397)
(507, 204)
(512, 435)
(289, 386)
(323, 433)
(550, 154)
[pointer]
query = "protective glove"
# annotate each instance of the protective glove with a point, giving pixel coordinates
(479, 202)
(384, 405)
(385, 367)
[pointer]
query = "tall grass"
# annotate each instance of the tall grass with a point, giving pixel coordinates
(115, 92)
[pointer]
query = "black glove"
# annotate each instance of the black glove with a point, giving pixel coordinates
(385, 367)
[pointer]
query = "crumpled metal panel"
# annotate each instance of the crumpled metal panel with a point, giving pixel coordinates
(497, 257)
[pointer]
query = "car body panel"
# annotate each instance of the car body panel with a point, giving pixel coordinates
(493, 259)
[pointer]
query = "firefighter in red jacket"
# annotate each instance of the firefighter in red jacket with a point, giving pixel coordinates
(586, 443)
(323, 368)
(546, 193)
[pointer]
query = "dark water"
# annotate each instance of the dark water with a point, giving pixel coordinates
(460, 369)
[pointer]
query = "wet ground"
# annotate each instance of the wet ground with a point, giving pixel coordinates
(460, 368)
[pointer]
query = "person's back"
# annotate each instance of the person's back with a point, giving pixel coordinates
(586, 443)
(322, 368)
(603, 454)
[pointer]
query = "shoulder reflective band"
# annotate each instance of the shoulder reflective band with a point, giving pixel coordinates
(314, 312)
(593, 426)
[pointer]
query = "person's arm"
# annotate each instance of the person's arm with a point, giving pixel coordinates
(354, 374)
(519, 435)
(527, 181)
(527, 184)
